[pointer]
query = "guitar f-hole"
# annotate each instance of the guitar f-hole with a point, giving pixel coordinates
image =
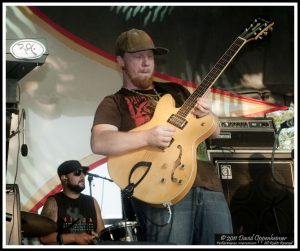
(176, 165)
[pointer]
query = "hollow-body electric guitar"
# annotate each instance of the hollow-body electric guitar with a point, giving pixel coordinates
(164, 176)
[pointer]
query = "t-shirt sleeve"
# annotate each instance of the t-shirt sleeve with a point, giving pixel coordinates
(108, 113)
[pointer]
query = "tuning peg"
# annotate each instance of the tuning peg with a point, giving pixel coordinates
(265, 33)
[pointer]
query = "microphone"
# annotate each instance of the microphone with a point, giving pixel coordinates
(98, 176)
(24, 148)
(287, 124)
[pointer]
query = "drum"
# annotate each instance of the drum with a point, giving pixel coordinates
(122, 231)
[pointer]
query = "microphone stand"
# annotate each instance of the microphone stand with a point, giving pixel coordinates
(90, 178)
(98, 176)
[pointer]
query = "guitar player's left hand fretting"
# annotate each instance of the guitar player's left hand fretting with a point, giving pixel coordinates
(202, 108)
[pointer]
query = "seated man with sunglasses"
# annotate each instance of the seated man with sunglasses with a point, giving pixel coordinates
(77, 215)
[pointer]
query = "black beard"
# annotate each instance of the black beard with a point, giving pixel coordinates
(75, 188)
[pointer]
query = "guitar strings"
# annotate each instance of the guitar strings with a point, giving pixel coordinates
(211, 77)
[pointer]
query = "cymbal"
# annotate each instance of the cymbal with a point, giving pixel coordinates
(35, 225)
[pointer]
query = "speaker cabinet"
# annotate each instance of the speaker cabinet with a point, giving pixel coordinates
(260, 197)
(13, 217)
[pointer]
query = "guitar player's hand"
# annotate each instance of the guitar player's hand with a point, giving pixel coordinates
(202, 108)
(160, 135)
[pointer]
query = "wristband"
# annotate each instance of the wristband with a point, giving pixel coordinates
(59, 239)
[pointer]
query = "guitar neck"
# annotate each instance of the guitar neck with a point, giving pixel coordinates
(212, 76)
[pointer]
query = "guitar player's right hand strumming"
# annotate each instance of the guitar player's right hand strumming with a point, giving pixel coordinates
(160, 135)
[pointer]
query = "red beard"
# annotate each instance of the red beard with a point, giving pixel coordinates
(144, 83)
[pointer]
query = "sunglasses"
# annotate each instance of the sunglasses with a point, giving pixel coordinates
(78, 172)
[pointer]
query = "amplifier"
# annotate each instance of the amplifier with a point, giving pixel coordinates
(244, 133)
(260, 196)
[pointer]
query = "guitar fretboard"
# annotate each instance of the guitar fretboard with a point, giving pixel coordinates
(211, 77)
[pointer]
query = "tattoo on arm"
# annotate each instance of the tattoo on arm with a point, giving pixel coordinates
(50, 209)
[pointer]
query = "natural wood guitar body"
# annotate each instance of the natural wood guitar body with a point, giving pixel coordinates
(173, 169)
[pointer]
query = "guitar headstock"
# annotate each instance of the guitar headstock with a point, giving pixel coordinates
(257, 29)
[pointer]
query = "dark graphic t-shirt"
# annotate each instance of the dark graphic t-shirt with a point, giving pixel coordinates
(76, 215)
(127, 109)
(140, 108)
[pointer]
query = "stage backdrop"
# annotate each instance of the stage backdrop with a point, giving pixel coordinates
(61, 96)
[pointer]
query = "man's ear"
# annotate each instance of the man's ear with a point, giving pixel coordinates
(63, 178)
(120, 61)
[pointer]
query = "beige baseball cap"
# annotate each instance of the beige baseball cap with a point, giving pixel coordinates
(136, 40)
